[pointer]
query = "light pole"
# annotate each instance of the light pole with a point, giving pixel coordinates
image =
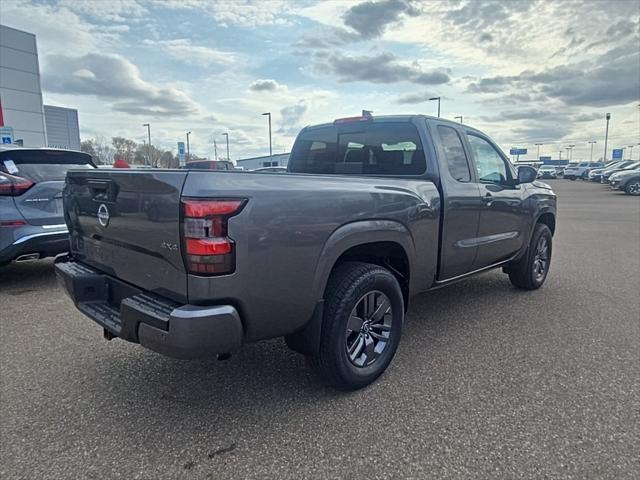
(227, 136)
(268, 114)
(437, 98)
(630, 152)
(606, 137)
(188, 133)
(148, 125)
(538, 145)
(571, 152)
(592, 142)
(460, 117)
(560, 152)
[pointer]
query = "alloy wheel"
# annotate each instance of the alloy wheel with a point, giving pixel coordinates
(369, 328)
(541, 259)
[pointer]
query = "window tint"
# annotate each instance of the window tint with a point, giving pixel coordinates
(454, 154)
(491, 167)
(372, 149)
(44, 165)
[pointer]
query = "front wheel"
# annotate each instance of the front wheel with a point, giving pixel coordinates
(532, 269)
(633, 187)
(361, 327)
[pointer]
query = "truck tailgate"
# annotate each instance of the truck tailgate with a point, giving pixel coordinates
(126, 223)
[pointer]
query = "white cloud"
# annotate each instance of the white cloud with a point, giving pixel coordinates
(183, 50)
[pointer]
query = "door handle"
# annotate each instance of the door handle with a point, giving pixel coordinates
(488, 198)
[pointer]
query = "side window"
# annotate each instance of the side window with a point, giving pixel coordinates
(491, 166)
(454, 154)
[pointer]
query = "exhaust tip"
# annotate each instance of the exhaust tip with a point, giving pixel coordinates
(28, 257)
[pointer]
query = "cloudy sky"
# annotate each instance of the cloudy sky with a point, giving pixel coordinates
(525, 72)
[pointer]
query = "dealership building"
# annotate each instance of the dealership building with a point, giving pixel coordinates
(276, 160)
(24, 119)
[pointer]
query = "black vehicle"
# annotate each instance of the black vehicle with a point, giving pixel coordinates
(31, 216)
(373, 211)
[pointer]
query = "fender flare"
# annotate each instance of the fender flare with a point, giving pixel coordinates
(307, 340)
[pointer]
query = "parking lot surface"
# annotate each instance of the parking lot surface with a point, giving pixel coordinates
(489, 382)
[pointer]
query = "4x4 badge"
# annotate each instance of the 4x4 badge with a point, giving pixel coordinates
(103, 215)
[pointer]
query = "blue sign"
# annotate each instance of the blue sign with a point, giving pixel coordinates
(616, 153)
(6, 139)
(181, 155)
(518, 151)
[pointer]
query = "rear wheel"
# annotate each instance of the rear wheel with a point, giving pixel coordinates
(571, 177)
(362, 324)
(532, 269)
(633, 187)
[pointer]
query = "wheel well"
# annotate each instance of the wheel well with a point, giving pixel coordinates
(549, 220)
(389, 255)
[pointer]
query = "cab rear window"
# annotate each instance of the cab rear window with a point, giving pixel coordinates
(43, 165)
(369, 149)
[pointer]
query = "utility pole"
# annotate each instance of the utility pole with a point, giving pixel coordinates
(227, 135)
(268, 114)
(460, 117)
(215, 150)
(592, 142)
(148, 125)
(538, 145)
(606, 137)
(188, 133)
(438, 99)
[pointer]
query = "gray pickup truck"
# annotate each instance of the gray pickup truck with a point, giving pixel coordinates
(372, 211)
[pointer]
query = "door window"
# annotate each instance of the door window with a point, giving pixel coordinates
(489, 163)
(454, 154)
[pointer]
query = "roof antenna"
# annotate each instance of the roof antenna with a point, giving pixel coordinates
(367, 113)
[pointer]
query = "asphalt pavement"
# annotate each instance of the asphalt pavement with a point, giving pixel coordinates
(489, 382)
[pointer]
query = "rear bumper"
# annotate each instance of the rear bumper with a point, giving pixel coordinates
(46, 244)
(159, 324)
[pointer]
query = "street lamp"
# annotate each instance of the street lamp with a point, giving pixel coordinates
(539, 145)
(227, 135)
(188, 133)
(460, 117)
(268, 114)
(571, 152)
(148, 125)
(438, 99)
(606, 137)
(592, 142)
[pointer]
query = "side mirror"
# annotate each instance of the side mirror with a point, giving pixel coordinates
(527, 174)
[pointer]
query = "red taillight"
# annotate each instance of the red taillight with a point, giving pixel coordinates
(13, 223)
(12, 185)
(208, 249)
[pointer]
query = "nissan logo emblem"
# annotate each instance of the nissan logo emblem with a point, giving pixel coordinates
(103, 215)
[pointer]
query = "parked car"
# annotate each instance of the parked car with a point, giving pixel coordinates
(595, 175)
(560, 170)
(581, 170)
(547, 171)
(270, 169)
(209, 165)
(374, 210)
(31, 216)
(627, 165)
(627, 180)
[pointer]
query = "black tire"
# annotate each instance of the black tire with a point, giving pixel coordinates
(525, 273)
(350, 283)
(572, 178)
(633, 186)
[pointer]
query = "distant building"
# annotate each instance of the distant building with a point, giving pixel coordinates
(62, 127)
(20, 92)
(277, 160)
